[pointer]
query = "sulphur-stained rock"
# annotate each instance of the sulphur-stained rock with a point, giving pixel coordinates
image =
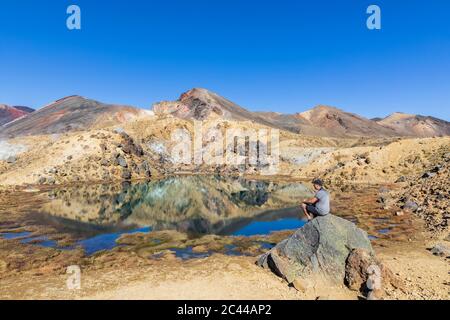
(366, 274)
(320, 248)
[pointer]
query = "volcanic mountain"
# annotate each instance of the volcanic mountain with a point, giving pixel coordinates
(328, 121)
(8, 114)
(340, 123)
(73, 113)
(201, 104)
(416, 125)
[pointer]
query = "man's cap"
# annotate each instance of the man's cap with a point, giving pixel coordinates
(318, 181)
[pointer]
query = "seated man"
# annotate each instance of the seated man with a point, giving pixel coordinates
(320, 204)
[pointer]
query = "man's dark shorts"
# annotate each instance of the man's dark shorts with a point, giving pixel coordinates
(313, 210)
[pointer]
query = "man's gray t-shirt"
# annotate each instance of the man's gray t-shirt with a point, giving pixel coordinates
(323, 205)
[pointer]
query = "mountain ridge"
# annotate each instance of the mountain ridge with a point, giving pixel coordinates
(72, 113)
(322, 120)
(75, 112)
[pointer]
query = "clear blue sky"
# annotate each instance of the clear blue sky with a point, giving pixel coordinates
(284, 56)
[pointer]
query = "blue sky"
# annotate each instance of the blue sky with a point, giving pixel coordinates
(284, 56)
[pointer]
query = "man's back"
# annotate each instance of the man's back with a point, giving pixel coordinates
(323, 205)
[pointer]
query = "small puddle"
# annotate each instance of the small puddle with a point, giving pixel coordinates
(105, 241)
(382, 220)
(42, 241)
(188, 253)
(232, 250)
(13, 235)
(381, 232)
(384, 231)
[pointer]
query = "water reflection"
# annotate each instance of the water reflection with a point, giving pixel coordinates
(192, 204)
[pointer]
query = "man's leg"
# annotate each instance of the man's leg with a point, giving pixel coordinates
(305, 211)
(312, 211)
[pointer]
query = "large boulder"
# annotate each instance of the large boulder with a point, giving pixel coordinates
(317, 250)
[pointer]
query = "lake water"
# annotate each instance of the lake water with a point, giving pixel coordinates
(97, 215)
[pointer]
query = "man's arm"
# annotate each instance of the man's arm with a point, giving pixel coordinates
(311, 201)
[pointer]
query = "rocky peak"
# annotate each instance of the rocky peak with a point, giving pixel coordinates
(8, 114)
(198, 93)
(202, 104)
(416, 125)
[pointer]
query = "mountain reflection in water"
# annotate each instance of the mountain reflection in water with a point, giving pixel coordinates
(192, 204)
